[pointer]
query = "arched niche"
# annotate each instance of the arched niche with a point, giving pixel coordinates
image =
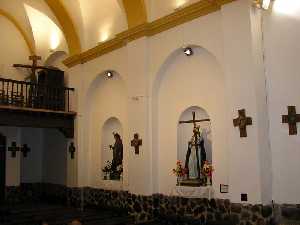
(111, 126)
(105, 98)
(185, 131)
(182, 82)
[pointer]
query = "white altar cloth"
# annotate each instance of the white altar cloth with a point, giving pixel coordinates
(193, 192)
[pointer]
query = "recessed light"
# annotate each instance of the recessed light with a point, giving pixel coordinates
(109, 74)
(188, 51)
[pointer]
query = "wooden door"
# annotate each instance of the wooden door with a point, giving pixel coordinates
(2, 166)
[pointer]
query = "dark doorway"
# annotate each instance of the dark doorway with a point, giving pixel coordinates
(2, 166)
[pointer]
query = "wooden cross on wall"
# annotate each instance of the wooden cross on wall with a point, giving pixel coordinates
(291, 119)
(13, 149)
(72, 150)
(25, 149)
(242, 122)
(136, 143)
(194, 121)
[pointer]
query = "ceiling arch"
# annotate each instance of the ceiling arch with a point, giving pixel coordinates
(67, 25)
(136, 12)
(29, 44)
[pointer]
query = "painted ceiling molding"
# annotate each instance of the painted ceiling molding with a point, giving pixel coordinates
(29, 43)
(181, 16)
(67, 26)
(136, 12)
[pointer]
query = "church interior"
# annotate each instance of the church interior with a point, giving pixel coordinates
(176, 112)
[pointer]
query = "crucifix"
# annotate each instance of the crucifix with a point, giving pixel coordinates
(136, 143)
(242, 122)
(34, 67)
(13, 149)
(25, 149)
(72, 150)
(194, 121)
(196, 144)
(291, 119)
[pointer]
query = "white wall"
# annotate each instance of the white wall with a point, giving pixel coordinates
(32, 165)
(13, 50)
(54, 157)
(281, 41)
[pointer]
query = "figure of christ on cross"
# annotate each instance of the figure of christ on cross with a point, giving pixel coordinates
(34, 67)
(196, 143)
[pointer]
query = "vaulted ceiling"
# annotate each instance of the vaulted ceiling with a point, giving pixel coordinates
(77, 25)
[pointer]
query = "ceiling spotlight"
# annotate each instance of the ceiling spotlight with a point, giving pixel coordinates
(109, 74)
(188, 51)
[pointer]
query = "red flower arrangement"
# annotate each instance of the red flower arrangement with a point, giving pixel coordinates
(207, 169)
(179, 171)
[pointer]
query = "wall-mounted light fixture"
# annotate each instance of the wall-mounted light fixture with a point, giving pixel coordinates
(188, 51)
(109, 74)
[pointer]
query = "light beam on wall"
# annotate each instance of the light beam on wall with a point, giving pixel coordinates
(54, 40)
(287, 7)
(178, 4)
(47, 34)
(266, 4)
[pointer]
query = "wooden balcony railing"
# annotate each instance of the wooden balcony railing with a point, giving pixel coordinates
(31, 95)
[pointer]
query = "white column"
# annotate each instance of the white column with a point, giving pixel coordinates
(243, 65)
(139, 165)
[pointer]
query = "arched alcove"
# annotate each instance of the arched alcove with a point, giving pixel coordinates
(106, 98)
(110, 127)
(198, 81)
(185, 132)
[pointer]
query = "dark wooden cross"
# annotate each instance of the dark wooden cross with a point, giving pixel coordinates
(242, 122)
(25, 149)
(194, 121)
(13, 149)
(34, 67)
(72, 150)
(136, 143)
(291, 119)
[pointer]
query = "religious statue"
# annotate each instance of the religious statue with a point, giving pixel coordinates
(117, 154)
(195, 156)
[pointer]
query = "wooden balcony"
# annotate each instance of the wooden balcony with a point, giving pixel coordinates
(26, 104)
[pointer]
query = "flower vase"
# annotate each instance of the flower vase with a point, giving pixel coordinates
(208, 181)
(179, 181)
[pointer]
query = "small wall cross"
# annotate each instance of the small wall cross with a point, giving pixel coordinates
(136, 143)
(291, 119)
(72, 150)
(25, 149)
(13, 149)
(242, 122)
